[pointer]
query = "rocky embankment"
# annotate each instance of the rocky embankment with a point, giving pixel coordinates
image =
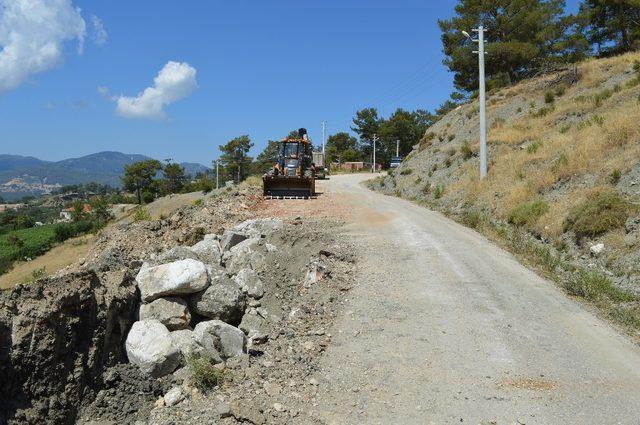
(115, 340)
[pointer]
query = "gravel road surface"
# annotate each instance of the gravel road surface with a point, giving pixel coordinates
(445, 327)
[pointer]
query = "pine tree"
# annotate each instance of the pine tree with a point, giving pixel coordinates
(235, 160)
(523, 36)
(613, 25)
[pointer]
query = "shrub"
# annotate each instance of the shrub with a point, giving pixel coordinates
(549, 97)
(592, 285)
(429, 136)
(533, 147)
(528, 213)
(418, 180)
(198, 202)
(148, 197)
(565, 129)
(206, 375)
(427, 188)
(438, 191)
(600, 97)
(447, 163)
(406, 172)
(560, 91)
(141, 214)
(543, 112)
(451, 137)
(599, 120)
(472, 218)
(465, 150)
(597, 215)
(615, 177)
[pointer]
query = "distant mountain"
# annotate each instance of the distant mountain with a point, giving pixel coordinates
(22, 175)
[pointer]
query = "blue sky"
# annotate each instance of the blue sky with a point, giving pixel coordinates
(263, 68)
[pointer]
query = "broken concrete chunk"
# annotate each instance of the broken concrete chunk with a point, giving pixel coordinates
(171, 312)
(176, 278)
(149, 347)
(250, 283)
(231, 238)
(217, 336)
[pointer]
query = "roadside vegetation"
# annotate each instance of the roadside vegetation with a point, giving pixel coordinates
(33, 230)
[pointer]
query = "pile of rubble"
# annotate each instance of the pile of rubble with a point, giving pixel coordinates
(202, 300)
(257, 301)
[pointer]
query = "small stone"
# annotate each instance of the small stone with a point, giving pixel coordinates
(314, 382)
(278, 407)
(597, 249)
(272, 389)
(173, 397)
(271, 248)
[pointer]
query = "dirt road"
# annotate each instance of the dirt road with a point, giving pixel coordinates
(445, 327)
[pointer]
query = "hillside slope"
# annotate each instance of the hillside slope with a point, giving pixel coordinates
(564, 173)
(20, 176)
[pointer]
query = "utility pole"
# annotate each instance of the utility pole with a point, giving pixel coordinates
(482, 98)
(324, 133)
(373, 166)
(217, 174)
(483, 106)
(397, 148)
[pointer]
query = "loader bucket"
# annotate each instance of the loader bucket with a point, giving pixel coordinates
(288, 187)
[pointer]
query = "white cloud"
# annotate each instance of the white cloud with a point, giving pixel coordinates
(100, 35)
(175, 81)
(32, 37)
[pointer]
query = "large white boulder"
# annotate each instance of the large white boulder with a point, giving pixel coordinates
(220, 337)
(176, 278)
(250, 283)
(172, 312)
(222, 300)
(149, 347)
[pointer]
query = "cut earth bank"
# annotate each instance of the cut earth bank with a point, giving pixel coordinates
(180, 320)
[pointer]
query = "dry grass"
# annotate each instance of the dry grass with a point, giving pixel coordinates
(601, 137)
(54, 260)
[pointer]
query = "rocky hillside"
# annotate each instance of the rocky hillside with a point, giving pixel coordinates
(563, 188)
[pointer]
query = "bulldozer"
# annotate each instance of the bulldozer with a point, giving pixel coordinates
(293, 174)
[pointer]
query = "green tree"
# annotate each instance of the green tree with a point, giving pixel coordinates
(235, 159)
(524, 36)
(174, 178)
(267, 158)
(340, 144)
(366, 124)
(403, 128)
(100, 209)
(612, 25)
(140, 177)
